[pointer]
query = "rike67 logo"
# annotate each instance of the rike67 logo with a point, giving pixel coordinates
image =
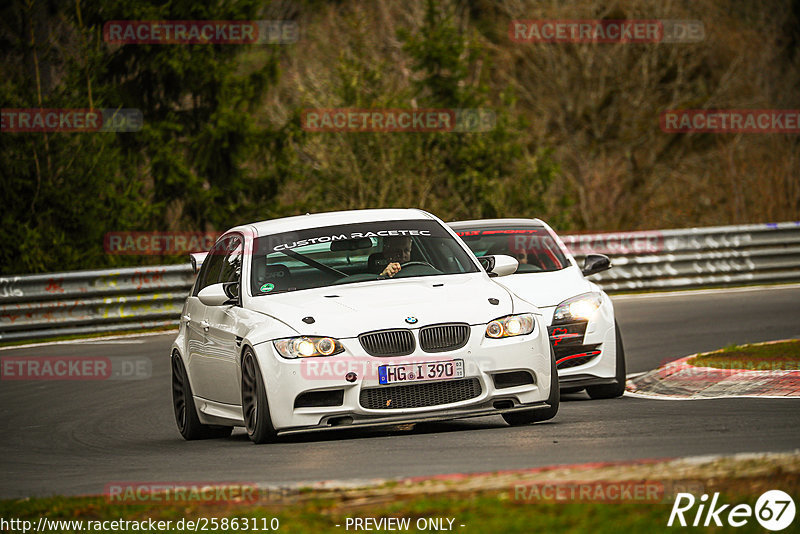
(774, 510)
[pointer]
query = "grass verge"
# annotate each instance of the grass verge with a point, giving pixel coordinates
(481, 503)
(776, 355)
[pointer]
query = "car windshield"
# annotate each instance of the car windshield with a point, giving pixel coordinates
(343, 254)
(532, 246)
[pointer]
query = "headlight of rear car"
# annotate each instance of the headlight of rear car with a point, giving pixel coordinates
(512, 325)
(308, 347)
(581, 308)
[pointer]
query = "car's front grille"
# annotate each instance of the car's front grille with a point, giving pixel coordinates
(419, 395)
(442, 337)
(388, 342)
(318, 399)
(567, 334)
(579, 358)
(572, 354)
(510, 379)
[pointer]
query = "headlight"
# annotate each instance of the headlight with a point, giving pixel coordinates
(308, 347)
(512, 325)
(581, 308)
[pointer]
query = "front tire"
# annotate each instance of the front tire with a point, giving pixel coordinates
(612, 391)
(188, 422)
(255, 409)
(543, 414)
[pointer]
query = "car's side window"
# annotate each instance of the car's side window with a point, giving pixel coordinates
(232, 266)
(212, 266)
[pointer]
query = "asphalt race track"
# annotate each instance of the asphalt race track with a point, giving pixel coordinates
(76, 437)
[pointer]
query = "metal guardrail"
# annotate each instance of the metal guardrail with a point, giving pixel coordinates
(59, 304)
(696, 257)
(79, 302)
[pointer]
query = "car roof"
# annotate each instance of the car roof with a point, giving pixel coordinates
(302, 222)
(490, 223)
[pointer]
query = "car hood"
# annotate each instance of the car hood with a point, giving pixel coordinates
(348, 310)
(549, 288)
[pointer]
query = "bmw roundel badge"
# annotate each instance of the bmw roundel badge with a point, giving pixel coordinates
(411, 320)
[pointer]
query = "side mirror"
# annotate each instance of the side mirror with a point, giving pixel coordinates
(197, 260)
(219, 294)
(595, 263)
(499, 265)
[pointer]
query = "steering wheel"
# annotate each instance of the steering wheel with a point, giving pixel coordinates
(407, 268)
(410, 263)
(404, 269)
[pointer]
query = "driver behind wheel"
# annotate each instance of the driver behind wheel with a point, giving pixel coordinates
(521, 255)
(396, 250)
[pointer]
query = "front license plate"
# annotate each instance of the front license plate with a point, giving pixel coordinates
(420, 372)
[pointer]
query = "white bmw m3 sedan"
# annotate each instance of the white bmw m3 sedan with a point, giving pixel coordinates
(577, 312)
(354, 319)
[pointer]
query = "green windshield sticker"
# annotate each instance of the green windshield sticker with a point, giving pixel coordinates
(266, 288)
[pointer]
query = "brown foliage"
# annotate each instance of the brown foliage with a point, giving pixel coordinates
(596, 105)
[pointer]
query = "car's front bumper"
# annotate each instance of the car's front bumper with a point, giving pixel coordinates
(590, 357)
(484, 361)
(493, 407)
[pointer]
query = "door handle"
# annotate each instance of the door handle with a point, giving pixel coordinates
(205, 325)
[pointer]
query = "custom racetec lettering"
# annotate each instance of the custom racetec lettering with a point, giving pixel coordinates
(330, 234)
(352, 235)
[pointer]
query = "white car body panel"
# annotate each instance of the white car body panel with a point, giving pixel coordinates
(211, 338)
(549, 289)
(364, 307)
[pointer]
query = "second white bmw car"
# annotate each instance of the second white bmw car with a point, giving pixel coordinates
(579, 315)
(353, 319)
